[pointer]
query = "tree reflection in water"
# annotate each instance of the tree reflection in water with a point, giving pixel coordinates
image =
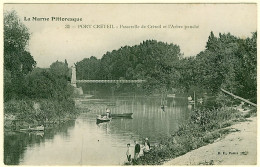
(15, 143)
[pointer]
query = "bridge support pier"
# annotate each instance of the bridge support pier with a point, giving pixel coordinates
(73, 76)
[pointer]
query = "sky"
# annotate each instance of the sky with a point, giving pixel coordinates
(51, 41)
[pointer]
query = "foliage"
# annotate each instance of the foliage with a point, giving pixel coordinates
(210, 119)
(17, 60)
(60, 69)
(16, 37)
(151, 60)
(25, 85)
(228, 62)
(88, 68)
(203, 127)
(49, 83)
(48, 110)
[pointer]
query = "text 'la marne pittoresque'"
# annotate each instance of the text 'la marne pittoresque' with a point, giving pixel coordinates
(52, 19)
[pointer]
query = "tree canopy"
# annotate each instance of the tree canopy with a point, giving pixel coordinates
(227, 62)
(151, 60)
(17, 60)
(16, 36)
(21, 78)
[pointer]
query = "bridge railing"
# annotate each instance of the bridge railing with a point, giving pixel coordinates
(110, 81)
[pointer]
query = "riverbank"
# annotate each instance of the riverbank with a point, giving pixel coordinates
(204, 127)
(22, 114)
(236, 148)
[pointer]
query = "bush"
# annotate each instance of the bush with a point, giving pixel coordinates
(48, 110)
(202, 128)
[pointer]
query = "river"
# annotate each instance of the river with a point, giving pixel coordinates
(83, 142)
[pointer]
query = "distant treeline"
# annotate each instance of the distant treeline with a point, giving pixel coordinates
(151, 60)
(227, 62)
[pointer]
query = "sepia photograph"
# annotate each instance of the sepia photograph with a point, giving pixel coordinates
(102, 84)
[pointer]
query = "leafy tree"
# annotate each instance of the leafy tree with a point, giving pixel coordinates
(228, 62)
(47, 84)
(88, 68)
(16, 37)
(246, 75)
(151, 60)
(60, 69)
(17, 60)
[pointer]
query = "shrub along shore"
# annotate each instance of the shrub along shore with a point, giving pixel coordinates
(20, 114)
(203, 127)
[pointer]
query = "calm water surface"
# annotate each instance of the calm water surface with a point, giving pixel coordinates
(83, 142)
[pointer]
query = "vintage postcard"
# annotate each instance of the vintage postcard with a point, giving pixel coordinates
(129, 84)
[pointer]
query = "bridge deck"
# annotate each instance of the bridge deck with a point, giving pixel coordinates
(110, 81)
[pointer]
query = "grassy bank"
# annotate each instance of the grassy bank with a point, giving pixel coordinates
(203, 127)
(20, 114)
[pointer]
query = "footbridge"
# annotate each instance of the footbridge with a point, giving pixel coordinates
(74, 81)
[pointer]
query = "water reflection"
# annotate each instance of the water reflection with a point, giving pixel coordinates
(83, 142)
(17, 143)
(148, 116)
